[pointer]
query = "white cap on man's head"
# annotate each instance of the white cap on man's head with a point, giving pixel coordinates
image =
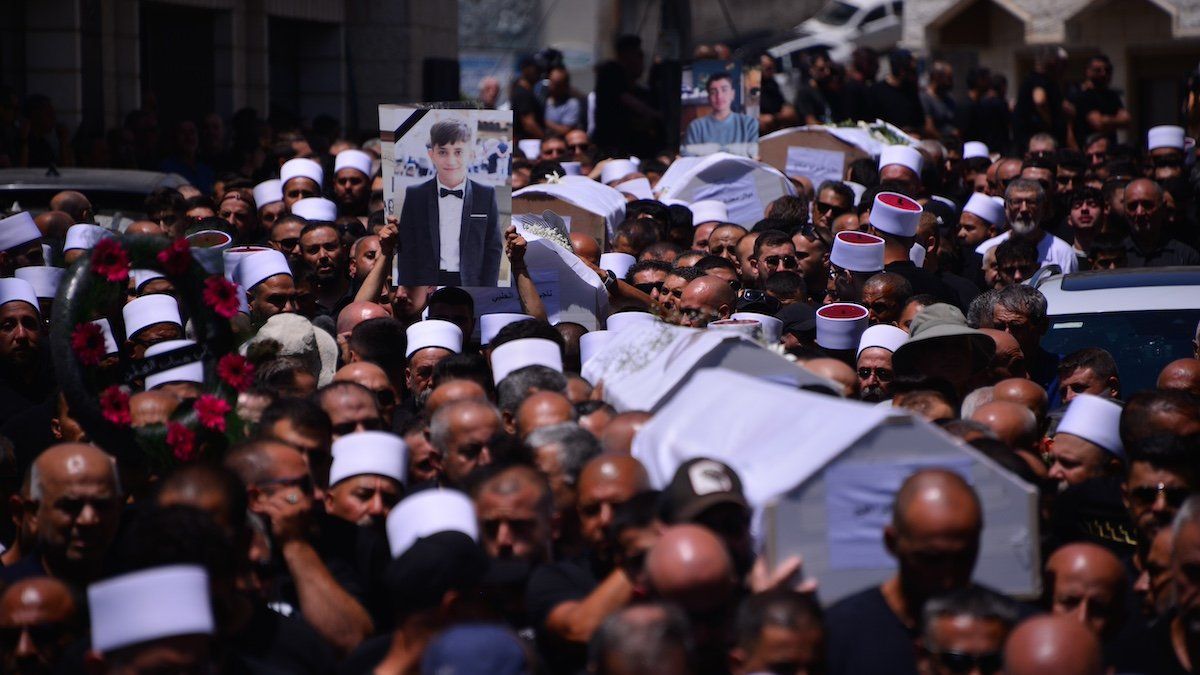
(18, 229)
(708, 210)
(895, 214)
(141, 277)
(1165, 136)
(18, 290)
(433, 333)
(986, 208)
(490, 324)
(301, 168)
(772, 328)
(840, 325)
(84, 236)
(268, 192)
(426, 513)
(517, 354)
(618, 263)
(883, 336)
(353, 159)
(315, 208)
(150, 604)
(621, 321)
(188, 372)
(376, 453)
(591, 342)
(904, 155)
(616, 169)
(259, 266)
(148, 310)
(857, 251)
(973, 149)
(1096, 420)
(43, 278)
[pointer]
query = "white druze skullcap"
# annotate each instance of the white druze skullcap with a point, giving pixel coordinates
(490, 324)
(1165, 136)
(143, 277)
(973, 149)
(433, 333)
(882, 336)
(857, 251)
(427, 513)
(301, 168)
(377, 453)
(841, 325)
(43, 278)
(84, 236)
(622, 321)
(353, 159)
(903, 155)
(110, 340)
(315, 208)
(1096, 420)
(618, 263)
(188, 372)
(591, 342)
(895, 214)
(149, 604)
(14, 290)
(708, 210)
(616, 169)
(259, 266)
(148, 310)
(986, 208)
(268, 192)
(518, 354)
(772, 328)
(18, 229)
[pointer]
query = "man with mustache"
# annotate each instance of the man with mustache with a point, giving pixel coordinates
(1148, 245)
(1026, 207)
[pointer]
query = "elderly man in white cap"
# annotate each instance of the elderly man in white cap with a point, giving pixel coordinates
(366, 478)
(874, 366)
(182, 375)
(429, 343)
(23, 380)
(20, 243)
(45, 280)
(707, 215)
(149, 320)
(982, 218)
(1087, 443)
(266, 279)
(300, 178)
(268, 197)
(1167, 147)
(855, 258)
(901, 165)
(352, 182)
(154, 620)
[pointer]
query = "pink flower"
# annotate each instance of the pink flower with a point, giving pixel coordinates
(114, 405)
(110, 261)
(221, 295)
(182, 441)
(211, 411)
(176, 258)
(236, 371)
(87, 340)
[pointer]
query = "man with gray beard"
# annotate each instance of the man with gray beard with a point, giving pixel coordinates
(1026, 208)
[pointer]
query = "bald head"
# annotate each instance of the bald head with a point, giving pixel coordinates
(78, 509)
(1009, 360)
(1181, 375)
(619, 470)
(838, 371)
(585, 247)
(937, 499)
(934, 533)
(54, 224)
(74, 204)
(604, 483)
(1024, 392)
(707, 298)
(73, 462)
(1012, 423)
(543, 409)
(1087, 582)
(358, 312)
(453, 392)
(36, 600)
(151, 407)
(147, 228)
(689, 565)
(1052, 644)
(618, 434)
(365, 373)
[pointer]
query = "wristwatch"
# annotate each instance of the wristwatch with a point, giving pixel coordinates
(610, 281)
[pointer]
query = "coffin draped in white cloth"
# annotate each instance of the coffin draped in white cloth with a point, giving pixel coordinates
(645, 364)
(745, 186)
(587, 194)
(821, 473)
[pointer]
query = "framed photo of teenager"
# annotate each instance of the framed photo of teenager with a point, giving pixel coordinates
(447, 179)
(717, 111)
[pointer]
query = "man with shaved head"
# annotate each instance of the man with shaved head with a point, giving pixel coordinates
(54, 225)
(1148, 244)
(934, 537)
(37, 618)
(463, 433)
(885, 295)
(1009, 360)
(586, 248)
(77, 496)
(690, 566)
(356, 313)
(543, 409)
(1181, 375)
(617, 437)
(374, 378)
(706, 299)
(74, 204)
(1088, 583)
(837, 371)
(515, 507)
(1012, 423)
(1023, 392)
(569, 599)
(1053, 644)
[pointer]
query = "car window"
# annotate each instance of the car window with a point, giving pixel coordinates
(874, 15)
(1141, 342)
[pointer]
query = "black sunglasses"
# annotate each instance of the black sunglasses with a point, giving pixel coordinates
(1146, 495)
(882, 374)
(961, 662)
(649, 287)
(345, 428)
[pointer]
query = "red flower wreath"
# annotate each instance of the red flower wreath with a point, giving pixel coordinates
(211, 411)
(236, 371)
(182, 441)
(176, 258)
(221, 295)
(114, 404)
(87, 341)
(110, 261)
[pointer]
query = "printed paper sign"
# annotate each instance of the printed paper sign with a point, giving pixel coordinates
(740, 196)
(814, 164)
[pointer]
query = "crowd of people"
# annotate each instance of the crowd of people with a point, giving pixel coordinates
(404, 482)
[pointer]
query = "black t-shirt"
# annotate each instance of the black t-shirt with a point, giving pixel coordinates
(1026, 120)
(770, 100)
(367, 657)
(523, 102)
(924, 281)
(866, 637)
(271, 643)
(1173, 252)
(1105, 101)
(611, 122)
(551, 585)
(1160, 656)
(964, 289)
(899, 106)
(811, 101)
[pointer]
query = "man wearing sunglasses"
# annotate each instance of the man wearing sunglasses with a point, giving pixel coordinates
(834, 198)
(964, 631)
(1160, 477)
(774, 252)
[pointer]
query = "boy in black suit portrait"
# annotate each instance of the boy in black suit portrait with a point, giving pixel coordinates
(449, 234)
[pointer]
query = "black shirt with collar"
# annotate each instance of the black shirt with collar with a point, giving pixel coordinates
(1171, 252)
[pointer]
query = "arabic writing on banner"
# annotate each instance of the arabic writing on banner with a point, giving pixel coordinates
(815, 164)
(740, 196)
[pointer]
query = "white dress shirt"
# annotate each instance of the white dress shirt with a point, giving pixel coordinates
(450, 225)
